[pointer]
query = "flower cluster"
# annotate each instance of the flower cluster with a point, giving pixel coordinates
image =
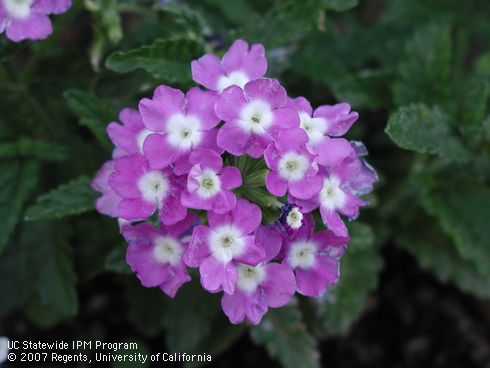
(28, 19)
(174, 186)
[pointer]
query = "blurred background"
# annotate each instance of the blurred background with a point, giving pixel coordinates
(415, 281)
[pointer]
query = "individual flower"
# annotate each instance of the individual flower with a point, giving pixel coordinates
(229, 239)
(335, 197)
(28, 19)
(181, 122)
(108, 202)
(322, 124)
(294, 218)
(364, 181)
(130, 136)
(155, 255)
(259, 287)
(238, 66)
(209, 184)
(292, 166)
(314, 257)
(253, 116)
(144, 190)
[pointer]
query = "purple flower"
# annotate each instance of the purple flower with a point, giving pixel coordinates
(28, 19)
(292, 166)
(209, 184)
(325, 122)
(253, 116)
(336, 196)
(314, 259)
(130, 136)
(108, 203)
(144, 190)
(156, 255)
(364, 181)
(238, 66)
(258, 287)
(182, 123)
(228, 239)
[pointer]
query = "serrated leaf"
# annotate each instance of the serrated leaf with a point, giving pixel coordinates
(167, 60)
(474, 108)
(16, 184)
(436, 253)
(426, 130)
(463, 213)
(26, 147)
(93, 112)
(69, 199)
(359, 272)
(286, 338)
(425, 68)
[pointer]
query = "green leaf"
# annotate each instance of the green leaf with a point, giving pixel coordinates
(27, 147)
(436, 253)
(93, 112)
(474, 109)
(359, 269)
(286, 338)
(282, 24)
(166, 59)
(56, 280)
(73, 198)
(425, 68)
(16, 184)
(426, 130)
(340, 5)
(43, 315)
(463, 213)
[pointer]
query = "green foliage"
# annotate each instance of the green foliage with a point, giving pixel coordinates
(168, 60)
(419, 128)
(286, 338)
(68, 199)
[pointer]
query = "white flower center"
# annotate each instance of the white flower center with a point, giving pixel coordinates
(19, 9)
(331, 196)
(256, 117)
(226, 242)
(209, 184)
(293, 166)
(140, 138)
(167, 250)
(249, 277)
(153, 186)
(235, 78)
(294, 218)
(184, 131)
(314, 127)
(302, 254)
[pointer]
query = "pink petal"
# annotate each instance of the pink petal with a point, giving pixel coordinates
(207, 71)
(230, 103)
(166, 102)
(217, 276)
(232, 138)
(279, 285)
(201, 104)
(268, 90)
(275, 184)
(230, 177)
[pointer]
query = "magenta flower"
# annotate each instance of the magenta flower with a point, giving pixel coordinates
(363, 182)
(238, 66)
(259, 287)
(322, 124)
(182, 123)
(253, 116)
(108, 202)
(28, 19)
(228, 240)
(335, 197)
(209, 184)
(156, 255)
(144, 190)
(292, 166)
(314, 259)
(130, 136)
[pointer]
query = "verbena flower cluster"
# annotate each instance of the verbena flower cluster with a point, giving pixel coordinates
(173, 167)
(28, 19)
